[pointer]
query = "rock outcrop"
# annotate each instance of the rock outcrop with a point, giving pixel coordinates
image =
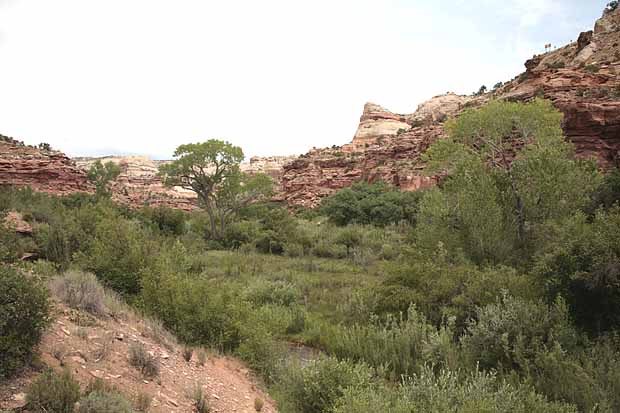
(388, 149)
(42, 170)
(582, 80)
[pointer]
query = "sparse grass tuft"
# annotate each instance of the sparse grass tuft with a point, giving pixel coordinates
(202, 357)
(81, 291)
(199, 399)
(187, 354)
(143, 402)
(144, 362)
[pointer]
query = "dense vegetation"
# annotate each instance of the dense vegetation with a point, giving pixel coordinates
(498, 290)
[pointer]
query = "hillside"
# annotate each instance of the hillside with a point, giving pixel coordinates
(98, 346)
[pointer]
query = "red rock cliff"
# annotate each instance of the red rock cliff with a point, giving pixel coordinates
(42, 170)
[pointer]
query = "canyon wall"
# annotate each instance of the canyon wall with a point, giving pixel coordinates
(582, 80)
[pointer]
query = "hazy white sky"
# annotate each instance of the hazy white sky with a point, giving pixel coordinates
(276, 77)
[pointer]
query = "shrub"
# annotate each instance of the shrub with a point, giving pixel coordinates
(81, 291)
(144, 362)
(448, 392)
(375, 204)
(202, 357)
(583, 265)
(511, 333)
(316, 387)
(24, 309)
(117, 267)
(263, 292)
(51, 392)
(441, 290)
(399, 345)
(262, 353)
(104, 402)
(592, 68)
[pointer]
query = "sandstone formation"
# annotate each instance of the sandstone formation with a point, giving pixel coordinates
(138, 183)
(582, 80)
(42, 170)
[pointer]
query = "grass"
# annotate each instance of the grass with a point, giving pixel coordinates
(144, 362)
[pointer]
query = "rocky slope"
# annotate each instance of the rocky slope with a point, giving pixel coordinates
(91, 348)
(581, 79)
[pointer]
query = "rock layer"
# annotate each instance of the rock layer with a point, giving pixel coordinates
(42, 170)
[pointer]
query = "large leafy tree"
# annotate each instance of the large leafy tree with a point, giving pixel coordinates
(211, 170)
(510, 170)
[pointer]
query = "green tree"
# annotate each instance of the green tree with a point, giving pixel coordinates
(101, 174)
(510, 170)
(582, 264)
(211, 170)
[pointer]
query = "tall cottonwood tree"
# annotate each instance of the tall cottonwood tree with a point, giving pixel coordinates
(211, 170)
(509, 171)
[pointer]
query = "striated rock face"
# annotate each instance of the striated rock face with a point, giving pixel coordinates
(42, 170)
(383, 153)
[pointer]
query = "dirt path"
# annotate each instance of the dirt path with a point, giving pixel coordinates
(99, 348)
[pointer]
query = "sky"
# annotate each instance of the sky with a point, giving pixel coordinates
(276, 77)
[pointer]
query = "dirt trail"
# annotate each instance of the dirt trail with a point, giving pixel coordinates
(228, 385)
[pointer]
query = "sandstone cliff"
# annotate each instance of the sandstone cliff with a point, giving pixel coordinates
(41, 169)
(581, 79)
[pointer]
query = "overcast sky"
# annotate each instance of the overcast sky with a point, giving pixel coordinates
(276, 77)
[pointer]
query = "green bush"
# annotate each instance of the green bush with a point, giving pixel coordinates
(117, 253)
(400, 345)
(511, 333)
(51, 392)
(104, 402)
(263, 292)
(448, 392)
(583, 265)
(197, 310)
(373, 204)
(441, 290)
(317, 386)
(24, 310)
(262, 352)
